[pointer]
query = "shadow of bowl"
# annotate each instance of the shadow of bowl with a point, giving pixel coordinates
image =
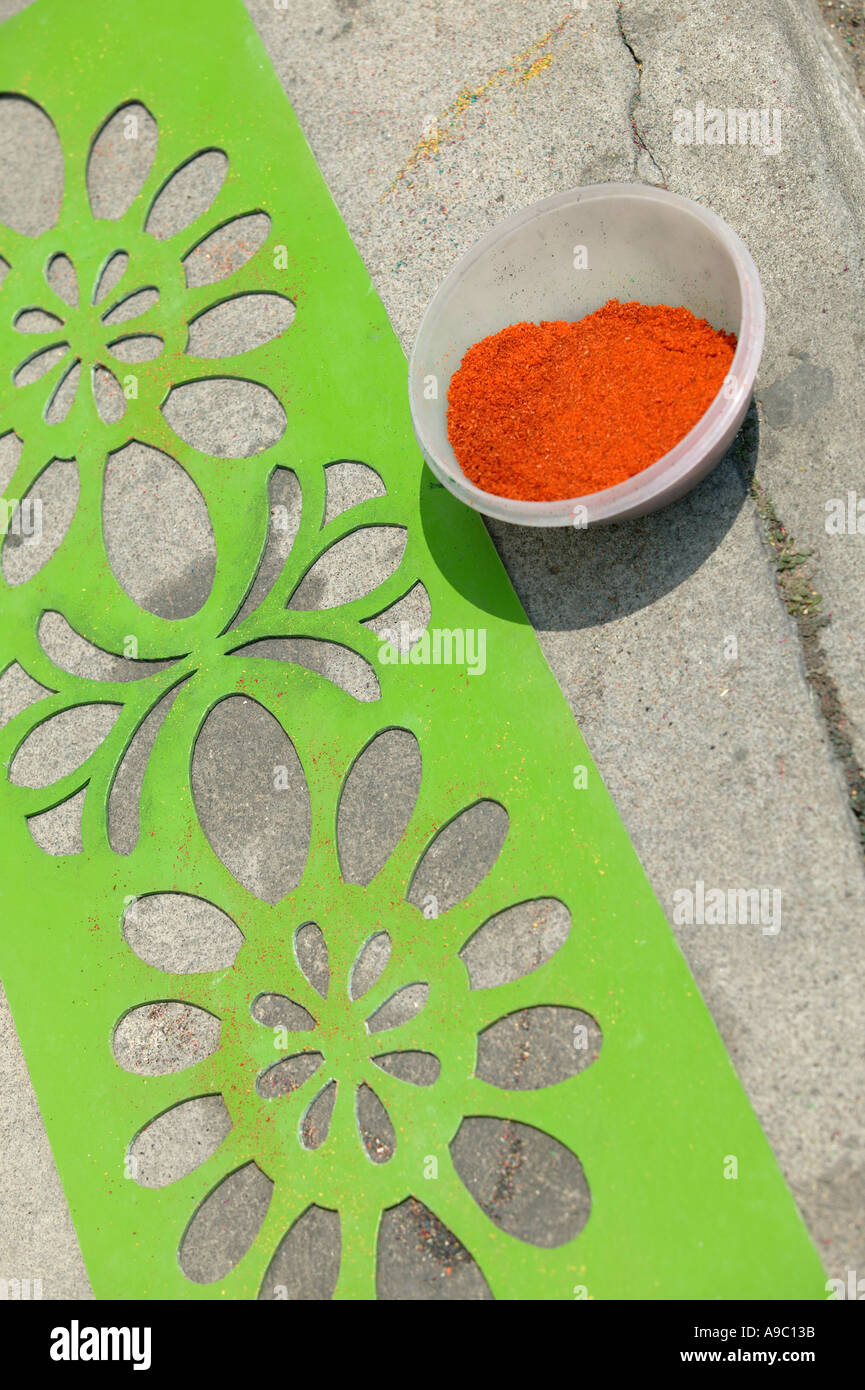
(568, 578)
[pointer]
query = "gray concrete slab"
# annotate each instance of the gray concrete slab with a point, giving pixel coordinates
(668, 636)
(37, 1238)
(799, 205)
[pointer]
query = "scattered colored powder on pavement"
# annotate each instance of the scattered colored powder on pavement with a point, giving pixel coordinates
(445, 127)
(542, 412)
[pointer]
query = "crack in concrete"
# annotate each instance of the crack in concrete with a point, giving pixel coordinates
(645, 163)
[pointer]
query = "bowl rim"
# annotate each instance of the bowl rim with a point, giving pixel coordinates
(667, 473)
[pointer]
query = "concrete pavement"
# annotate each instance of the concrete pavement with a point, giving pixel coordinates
(728, 760)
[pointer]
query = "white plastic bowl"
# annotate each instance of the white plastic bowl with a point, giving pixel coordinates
(642, 243)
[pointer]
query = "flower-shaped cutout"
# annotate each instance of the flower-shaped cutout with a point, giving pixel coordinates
(375, 1130)
(372, 1039)
(80, 341)
(267, 640)
(105, 317)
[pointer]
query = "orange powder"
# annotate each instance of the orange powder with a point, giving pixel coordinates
(545, 411)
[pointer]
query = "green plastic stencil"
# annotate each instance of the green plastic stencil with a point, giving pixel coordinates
(654, 1119)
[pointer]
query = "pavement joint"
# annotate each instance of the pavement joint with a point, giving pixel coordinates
(796, 577)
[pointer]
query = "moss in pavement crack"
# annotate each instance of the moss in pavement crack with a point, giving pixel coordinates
(795, 574)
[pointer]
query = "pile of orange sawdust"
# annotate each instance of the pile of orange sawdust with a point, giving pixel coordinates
(546, 411)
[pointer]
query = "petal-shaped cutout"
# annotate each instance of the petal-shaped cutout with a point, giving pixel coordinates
(537, 1047)
(4, 269)
(528, 1183)
(374, 1126)
(40, 521)
(62, 743)
(63, 396)
(351, 568)
(226, 250)
(287, 1075)
(418, 1068)
(225, 417)
(120, 159)
(36, 321)
(251, 797)
(377, 800)
(369, 965)
(31, 189)
(181, 933)
(60, 275)
(131, 306)
(110, 275)
(125, 795)
(404, 623)
(238, 325)
(420, 1259)
(315, 1125)
(340, 665)
(225, 1225)
(349, 484)
(310, 950)
(402, 1006)
(459, 857)
(178, 1141)
(186, 194)
(18, 692)
(39, 364)
(75, 654)
(58, 831)
(307, 1259)
(514, 942)
(278, 1011)
(285, 512)
(138, 347)
(158, 536)
(10, 456)
(107, 395)
(164, 1037)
